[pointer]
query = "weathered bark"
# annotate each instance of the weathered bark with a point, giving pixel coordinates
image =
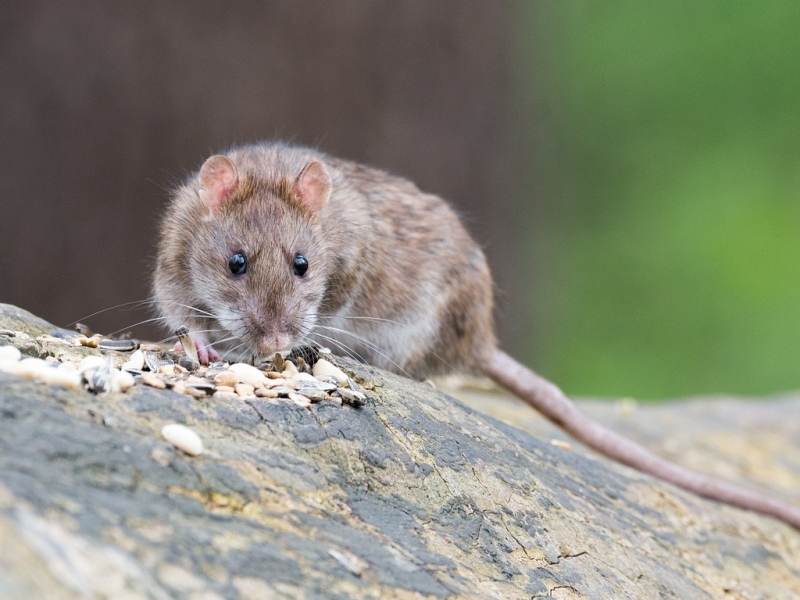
(414, 493)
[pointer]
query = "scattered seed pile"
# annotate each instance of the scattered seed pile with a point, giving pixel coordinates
(290, 378)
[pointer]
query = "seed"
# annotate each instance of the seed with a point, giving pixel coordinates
(153, 381)
(270, 383)
(227, 378)
(121, 381)
(278, 361)
(351, 396)
(265, 393)
(315, 384)
(150, 347)
(7, 333)
(10, 353)
(187, 363)
(183, 438)
(118, 345)
(190, 390)
(98, 381)
(83, 330)
(167, 369)
(561, 444)
(244, 389)
(136, 360)
(314, 395)
(91, 362)
(90, 342)
(151, 360)
(247, 373)
(325, 368)
(67, 379)
(188, 343)
(290, 368)
(299, 399)
(283, 390)
(206, 387)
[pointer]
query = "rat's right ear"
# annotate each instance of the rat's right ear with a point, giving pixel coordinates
(218, 181)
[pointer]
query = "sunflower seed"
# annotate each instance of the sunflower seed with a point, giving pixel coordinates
(351, 397)
(188, 364)
(151, 360)
(188, 343)
(118, 345)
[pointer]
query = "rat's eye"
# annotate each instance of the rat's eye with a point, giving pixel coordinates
(300, 265)
(238, 264)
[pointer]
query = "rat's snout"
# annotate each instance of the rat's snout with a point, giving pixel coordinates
(274, 341)
(271, 337)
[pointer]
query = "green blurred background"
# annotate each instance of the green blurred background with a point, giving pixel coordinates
(669, 262)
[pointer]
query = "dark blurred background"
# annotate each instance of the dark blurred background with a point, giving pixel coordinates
(631, 169)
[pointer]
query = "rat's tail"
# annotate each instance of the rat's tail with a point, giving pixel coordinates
(551, 402)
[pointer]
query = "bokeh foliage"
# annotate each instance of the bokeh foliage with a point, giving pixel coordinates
(672, 198)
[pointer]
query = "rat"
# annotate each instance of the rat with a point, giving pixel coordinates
(272, 246)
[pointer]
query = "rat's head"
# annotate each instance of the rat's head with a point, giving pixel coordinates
(259, 259)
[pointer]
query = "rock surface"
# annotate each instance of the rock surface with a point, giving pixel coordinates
(414, 495)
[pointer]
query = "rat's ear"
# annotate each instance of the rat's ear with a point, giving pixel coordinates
(218, 180)
(313, 186)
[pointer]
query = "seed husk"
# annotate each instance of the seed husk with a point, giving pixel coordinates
(188, 343)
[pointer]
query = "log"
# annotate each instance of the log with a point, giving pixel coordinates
(413, 495)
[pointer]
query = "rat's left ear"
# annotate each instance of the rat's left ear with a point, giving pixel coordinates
(313, 186)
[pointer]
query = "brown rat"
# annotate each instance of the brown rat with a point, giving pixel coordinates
(273, 246)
